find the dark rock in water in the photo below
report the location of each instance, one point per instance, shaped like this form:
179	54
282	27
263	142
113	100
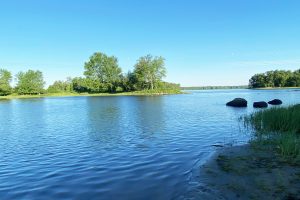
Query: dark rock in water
237	102
275	102
260	104
218	145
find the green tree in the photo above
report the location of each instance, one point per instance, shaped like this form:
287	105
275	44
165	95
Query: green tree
104	69
297	77
79	85
30	82
128	82
269	79
61	86
82	85
280	78
277	78
149	71
257	81
5	79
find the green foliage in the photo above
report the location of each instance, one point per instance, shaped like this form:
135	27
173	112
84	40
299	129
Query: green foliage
277	78
61	86
104	69
278	125
128	82
5	79
149	72
30	82
168	86
276	119
83	85
102	75
289	144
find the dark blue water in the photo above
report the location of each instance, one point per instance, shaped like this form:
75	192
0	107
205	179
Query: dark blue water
116	147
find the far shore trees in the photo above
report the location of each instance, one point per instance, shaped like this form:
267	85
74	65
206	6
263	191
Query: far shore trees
30	82
149	72
5	79
105	70
61	86
102	74
277	78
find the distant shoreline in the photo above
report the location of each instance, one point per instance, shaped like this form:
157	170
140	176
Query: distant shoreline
137	93
214	87
275	88
236	87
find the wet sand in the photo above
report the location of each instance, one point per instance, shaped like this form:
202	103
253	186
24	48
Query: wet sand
247	172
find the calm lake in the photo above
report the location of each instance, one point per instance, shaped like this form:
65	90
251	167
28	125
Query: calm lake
117	147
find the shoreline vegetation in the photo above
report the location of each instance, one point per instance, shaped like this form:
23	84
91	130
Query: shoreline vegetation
236	87
214	87
135	93
275	88
276	79
268	167
102	77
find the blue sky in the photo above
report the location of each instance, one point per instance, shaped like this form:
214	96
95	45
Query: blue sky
205	42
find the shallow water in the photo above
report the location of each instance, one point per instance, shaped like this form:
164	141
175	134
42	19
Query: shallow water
116	147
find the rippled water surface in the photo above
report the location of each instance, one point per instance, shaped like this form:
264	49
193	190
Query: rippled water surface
116	147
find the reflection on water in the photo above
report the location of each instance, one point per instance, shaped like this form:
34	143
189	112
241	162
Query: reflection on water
102	113
140	116
116	147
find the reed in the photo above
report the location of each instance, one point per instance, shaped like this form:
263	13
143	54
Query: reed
279	126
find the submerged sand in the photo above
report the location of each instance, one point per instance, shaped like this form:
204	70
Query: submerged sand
245	172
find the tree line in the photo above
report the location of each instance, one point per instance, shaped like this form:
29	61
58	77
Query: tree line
215	87
102	74
277	78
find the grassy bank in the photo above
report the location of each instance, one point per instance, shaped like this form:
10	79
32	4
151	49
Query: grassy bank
266	168
135	93
279	128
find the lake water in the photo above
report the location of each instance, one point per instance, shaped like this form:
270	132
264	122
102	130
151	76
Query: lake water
117	147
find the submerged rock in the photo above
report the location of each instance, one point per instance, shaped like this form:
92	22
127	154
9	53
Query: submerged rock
237	102
260	104
275	102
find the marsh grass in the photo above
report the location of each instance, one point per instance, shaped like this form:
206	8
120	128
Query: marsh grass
276	119
279	127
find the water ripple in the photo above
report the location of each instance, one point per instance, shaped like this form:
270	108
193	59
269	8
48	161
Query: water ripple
115	147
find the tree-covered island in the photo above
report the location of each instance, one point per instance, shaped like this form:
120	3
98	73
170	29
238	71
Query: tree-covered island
276	79
102	75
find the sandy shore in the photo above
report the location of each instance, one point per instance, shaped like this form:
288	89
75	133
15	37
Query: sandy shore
247	172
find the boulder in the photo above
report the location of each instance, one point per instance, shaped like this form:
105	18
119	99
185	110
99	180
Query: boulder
275	102
237	102
260	104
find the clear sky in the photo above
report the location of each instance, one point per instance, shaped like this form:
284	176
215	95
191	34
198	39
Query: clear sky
205	42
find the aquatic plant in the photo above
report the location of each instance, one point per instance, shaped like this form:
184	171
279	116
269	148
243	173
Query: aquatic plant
276	119
279	126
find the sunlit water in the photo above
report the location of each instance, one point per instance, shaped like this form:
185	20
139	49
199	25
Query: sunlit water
116	147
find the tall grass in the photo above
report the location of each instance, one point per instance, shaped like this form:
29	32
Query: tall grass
280	126
276	119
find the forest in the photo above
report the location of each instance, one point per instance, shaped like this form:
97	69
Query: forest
277	78
102	74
